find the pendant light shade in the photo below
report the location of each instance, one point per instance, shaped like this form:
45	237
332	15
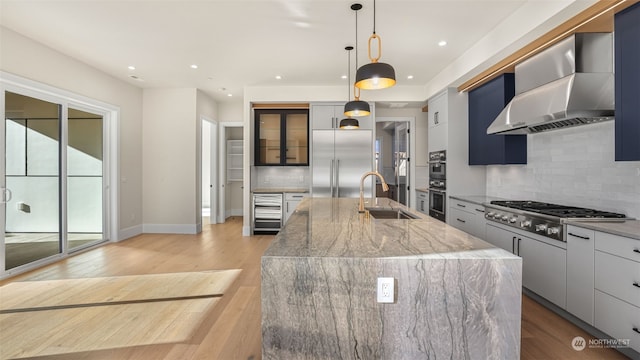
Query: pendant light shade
349	123
356	107
375	75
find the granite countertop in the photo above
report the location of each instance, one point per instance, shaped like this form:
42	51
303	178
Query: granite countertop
476	199
422	189
279	190
332	227
629	228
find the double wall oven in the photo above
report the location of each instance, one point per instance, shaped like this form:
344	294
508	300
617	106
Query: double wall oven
438	184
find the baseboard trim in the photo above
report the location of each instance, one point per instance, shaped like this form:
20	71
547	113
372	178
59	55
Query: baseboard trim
129	232
170	228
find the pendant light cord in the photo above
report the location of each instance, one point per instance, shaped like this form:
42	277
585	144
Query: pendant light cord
349	77
356	41
374	16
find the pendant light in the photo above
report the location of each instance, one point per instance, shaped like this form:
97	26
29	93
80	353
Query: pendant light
375	75
356	107
349	123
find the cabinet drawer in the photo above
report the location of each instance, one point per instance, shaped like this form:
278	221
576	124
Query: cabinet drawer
422	195
294	196
461	219
467	206
617	276
617	319
618	245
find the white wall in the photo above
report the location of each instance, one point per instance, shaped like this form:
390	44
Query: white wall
169	160
574	166
24	57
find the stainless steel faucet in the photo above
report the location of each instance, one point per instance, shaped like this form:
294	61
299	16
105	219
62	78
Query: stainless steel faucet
385	187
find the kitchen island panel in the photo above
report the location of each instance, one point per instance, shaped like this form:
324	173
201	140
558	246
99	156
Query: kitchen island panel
321	308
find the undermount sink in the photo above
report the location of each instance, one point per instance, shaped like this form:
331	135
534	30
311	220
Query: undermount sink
391	214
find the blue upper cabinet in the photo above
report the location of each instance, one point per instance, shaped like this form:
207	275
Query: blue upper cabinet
485	103
627	75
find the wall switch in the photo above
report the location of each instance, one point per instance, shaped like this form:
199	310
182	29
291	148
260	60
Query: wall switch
386	290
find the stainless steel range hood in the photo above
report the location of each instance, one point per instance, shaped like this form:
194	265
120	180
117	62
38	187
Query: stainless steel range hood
569	84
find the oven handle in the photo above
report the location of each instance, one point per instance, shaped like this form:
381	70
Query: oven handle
437	190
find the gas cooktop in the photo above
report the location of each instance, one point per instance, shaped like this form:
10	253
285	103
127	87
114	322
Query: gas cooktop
560	211
542	218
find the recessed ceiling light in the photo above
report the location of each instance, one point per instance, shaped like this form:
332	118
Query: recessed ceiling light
194	66
344	76
131	67
410	77
442	43
278	77
229	95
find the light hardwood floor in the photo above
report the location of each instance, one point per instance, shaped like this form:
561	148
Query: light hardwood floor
231	330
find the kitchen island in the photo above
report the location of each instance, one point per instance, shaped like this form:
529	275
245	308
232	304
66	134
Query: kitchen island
457	297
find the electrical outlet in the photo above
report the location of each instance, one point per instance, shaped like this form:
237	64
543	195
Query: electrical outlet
386	290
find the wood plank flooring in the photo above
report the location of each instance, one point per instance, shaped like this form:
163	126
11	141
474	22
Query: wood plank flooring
231	330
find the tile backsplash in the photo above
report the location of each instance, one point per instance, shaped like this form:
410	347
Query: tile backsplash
267	177
573	166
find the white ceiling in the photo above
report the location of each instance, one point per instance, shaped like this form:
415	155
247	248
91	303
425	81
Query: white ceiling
238	43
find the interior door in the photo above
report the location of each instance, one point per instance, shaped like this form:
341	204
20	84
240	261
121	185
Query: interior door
401	162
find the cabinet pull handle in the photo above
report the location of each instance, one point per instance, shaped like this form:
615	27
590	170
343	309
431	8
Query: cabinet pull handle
636	284
480	210
513	244
636	251
519	239
461	205
636	330
579	236
462	221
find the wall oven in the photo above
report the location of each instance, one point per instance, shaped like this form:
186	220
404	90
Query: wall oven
438	165
438	184
437	203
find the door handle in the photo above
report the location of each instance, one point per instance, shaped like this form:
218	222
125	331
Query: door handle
338	178
6	195
331	177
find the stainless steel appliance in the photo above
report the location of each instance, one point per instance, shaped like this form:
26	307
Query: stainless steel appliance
438	165
438	184
339	158
543	218
569	84
267	212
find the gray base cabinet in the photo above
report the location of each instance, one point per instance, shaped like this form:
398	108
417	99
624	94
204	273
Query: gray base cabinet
543	265
468	217
580	265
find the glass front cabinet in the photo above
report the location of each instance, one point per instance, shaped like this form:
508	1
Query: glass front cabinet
281	137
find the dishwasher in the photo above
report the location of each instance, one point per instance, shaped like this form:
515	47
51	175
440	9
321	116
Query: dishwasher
267	212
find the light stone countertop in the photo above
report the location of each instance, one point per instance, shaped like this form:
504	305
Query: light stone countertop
332	227
279	190
475	199
629	228
422	189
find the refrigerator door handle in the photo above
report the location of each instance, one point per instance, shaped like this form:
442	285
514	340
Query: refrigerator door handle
331	177
338	178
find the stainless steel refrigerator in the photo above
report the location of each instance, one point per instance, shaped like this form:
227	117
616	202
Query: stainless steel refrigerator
339	159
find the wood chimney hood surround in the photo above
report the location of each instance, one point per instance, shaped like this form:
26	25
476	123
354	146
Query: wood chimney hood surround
596	18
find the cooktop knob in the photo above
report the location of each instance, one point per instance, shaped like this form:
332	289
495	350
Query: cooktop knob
504	218
553	230
490	214
525	224
541	227
513	219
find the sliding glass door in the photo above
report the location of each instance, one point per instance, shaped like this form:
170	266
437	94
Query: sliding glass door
53	175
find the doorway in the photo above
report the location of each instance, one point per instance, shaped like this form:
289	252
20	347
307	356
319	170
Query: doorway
393	149
54	170
209	171
231	162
